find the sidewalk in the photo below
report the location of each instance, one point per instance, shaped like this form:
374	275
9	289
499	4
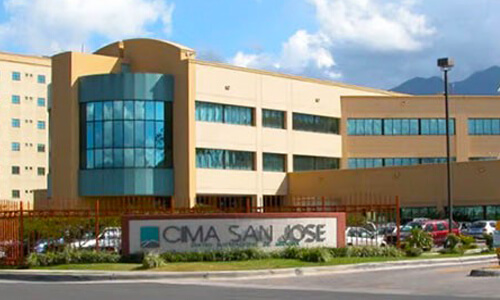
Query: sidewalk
69	275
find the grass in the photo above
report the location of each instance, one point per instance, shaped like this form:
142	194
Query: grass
239	265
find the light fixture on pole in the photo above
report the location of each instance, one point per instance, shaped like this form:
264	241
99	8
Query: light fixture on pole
446	64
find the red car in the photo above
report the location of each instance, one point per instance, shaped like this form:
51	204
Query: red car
437	228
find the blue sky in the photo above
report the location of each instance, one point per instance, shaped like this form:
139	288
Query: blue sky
378	43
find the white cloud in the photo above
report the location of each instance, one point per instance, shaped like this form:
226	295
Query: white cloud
303	52
374	25
55	25
383	25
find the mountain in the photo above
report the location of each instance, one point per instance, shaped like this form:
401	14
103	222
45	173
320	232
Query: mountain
486	82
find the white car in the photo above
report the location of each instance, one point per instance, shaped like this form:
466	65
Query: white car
359	236
109	239
478	228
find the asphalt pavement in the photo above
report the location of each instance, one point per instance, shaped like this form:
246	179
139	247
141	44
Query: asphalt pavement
424	283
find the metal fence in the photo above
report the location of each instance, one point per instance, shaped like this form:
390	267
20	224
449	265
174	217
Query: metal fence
25	231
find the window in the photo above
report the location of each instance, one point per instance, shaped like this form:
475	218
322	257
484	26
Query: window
16	99
273	118
224	159
399	126
126	134
16	76
484	126
40	125
441	226
310	163
40	171
41	148
41	102
41	79
364	126
220	113
362	163
314	123
16	123
485	158
16	194
16	170
16	146
273	162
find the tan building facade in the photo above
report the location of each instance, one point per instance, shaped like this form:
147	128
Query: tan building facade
24	82
235	132
145	120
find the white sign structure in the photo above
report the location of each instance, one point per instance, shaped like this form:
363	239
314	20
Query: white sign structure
205	234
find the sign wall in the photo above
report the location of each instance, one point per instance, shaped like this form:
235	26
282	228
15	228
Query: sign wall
189	233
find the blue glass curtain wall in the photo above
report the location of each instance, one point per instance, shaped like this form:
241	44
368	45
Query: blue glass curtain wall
273	118
221	113
274	162
224	159
364	163
484	126
399	126
311	163
312	123
126	134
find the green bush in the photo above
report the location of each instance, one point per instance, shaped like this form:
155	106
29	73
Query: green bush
71	257
419	239
152	260
316	255
135	258
218	255
489	241
452	241
414	252
373	251
468	241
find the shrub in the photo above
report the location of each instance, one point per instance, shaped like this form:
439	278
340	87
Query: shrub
419	239
468	241
316	255
152	260
71	257
414	252
291	253
452	241
489	241
373	251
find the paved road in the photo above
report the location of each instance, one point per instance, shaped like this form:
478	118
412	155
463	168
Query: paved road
430	283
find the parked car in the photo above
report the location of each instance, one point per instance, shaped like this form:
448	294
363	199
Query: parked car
464	227
359	236
44	245
109	239
438	229
478	228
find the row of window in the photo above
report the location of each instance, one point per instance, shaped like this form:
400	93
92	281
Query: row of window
16	123
460	213
16	170
16	99
126	134
399	126
16	146
16	76
362	163
489	126
231	114
484	126
16	194
272	162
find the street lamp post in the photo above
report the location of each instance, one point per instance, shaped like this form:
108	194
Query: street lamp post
446	64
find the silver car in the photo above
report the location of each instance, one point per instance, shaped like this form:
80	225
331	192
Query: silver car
479	228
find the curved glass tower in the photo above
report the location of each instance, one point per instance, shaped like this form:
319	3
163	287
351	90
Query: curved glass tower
126	135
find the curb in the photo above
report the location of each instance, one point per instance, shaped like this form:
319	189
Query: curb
73	276
485	273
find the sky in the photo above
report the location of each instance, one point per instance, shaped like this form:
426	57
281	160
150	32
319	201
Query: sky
375	43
